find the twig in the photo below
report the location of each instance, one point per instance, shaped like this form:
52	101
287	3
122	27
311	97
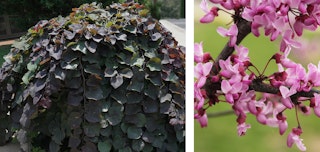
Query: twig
219	114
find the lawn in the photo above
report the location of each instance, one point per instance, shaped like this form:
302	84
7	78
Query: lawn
221	134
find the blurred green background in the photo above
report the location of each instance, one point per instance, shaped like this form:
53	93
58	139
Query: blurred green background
221	133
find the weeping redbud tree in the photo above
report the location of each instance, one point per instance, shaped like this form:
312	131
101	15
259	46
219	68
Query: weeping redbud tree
233	79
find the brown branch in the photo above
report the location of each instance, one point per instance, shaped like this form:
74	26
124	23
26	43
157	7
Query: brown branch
219	114
244	28
267	88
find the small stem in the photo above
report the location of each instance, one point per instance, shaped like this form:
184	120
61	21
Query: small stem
256	69
264	70
296	110
252	72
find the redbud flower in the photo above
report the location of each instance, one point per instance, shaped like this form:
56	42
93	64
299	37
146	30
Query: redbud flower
316	104
201	72
202	118
198	52
232	33
210	14
242	128
294	138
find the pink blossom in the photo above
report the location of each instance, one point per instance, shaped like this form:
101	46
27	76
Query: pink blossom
202	118
242	54
231	91
294	138
228	70
316	104
286	93
201	72
198	52
199	56
199	98
287	41
210	14
232	33
313	74
242	128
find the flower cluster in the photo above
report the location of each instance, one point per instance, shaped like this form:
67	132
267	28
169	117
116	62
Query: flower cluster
291	87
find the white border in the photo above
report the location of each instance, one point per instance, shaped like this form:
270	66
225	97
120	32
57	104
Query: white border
189	75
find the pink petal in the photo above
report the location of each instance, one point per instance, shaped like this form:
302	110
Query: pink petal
222	31
298	27
201	81
283	125
225	86
262	119
203	120
229	98
290	140
207	68
207	18
198	52
242	128
204	6
285	92
317	111
287	102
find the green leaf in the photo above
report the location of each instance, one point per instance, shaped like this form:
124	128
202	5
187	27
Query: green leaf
93	17
150	106
80	47
154	78
135	85
134	132
127	73
134	97
95	93
155	36
126	149
137	145
138	119
27	77
119	95
69	66
74	142
93	69
154	64
116	81
130	28
118	141
54	147
91	130
104	146
131	109
92	111
151	91
21	44
115	114
74	120
92	46
137	60
32	66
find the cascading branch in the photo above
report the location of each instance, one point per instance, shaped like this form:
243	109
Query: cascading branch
233	77
101	79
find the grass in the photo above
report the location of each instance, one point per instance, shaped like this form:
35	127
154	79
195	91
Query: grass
3	51
221	134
